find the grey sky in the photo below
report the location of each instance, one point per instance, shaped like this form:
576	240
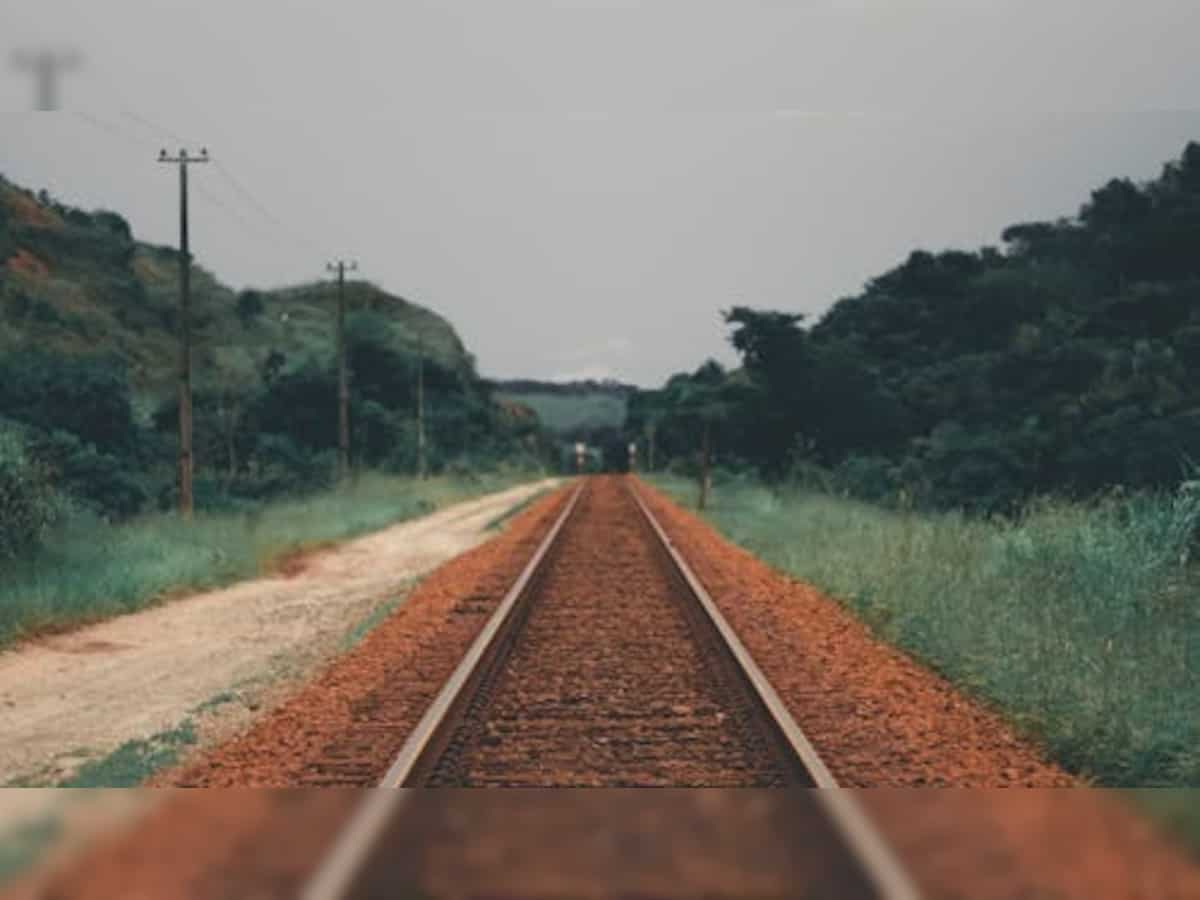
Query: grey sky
581	186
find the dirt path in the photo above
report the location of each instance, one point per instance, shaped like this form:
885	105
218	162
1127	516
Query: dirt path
213	656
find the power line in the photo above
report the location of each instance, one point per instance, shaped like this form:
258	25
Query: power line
251	199
107	127
115	131
223	170
154	126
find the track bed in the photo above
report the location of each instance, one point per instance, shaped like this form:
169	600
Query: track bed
611	677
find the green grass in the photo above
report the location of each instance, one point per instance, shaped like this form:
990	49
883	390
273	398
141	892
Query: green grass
497	523
134	761
20	848
355	635
93	571
1079	622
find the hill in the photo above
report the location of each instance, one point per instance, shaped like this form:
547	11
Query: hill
74	282
88	361
571	408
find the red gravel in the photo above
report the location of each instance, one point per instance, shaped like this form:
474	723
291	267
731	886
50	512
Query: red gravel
615	678
877	718
345	727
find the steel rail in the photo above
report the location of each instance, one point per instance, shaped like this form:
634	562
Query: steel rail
340	867
854	826
337	871
435	716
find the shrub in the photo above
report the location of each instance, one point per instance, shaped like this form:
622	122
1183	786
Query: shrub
281	466
89	396
28	505
867	477
249	307
104	482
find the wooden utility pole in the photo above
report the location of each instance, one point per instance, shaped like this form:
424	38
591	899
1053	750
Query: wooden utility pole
186	462
705	456
343	460
420	405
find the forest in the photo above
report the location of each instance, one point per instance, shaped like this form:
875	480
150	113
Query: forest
1064	362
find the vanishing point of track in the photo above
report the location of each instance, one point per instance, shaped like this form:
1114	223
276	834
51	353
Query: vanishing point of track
608	664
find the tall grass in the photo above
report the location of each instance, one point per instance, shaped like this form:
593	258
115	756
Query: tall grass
1080	622
91	570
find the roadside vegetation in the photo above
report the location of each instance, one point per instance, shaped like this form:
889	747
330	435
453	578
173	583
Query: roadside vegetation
88	419
1078	621
89	570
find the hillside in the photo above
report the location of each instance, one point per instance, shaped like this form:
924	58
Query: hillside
88	361
571	408
74	282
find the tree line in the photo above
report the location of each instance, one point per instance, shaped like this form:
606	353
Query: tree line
1064	362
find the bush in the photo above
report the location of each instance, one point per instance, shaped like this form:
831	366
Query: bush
88	396
28	505
249	307
104	482
281	466
868	478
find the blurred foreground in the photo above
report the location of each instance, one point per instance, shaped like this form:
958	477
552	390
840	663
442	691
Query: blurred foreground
975	844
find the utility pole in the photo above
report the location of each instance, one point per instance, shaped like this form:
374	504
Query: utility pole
343	463
420	405
45	66
705	457
186	463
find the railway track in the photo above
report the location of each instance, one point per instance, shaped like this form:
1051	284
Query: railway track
607	664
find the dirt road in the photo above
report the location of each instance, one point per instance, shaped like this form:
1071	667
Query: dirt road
215	656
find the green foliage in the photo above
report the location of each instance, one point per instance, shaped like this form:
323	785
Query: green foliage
99	392
28	505
20	848
1076	620
249	307
1066	364
107	483
88	396
135	761
92	570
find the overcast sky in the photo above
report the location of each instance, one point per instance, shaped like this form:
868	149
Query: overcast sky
580	187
